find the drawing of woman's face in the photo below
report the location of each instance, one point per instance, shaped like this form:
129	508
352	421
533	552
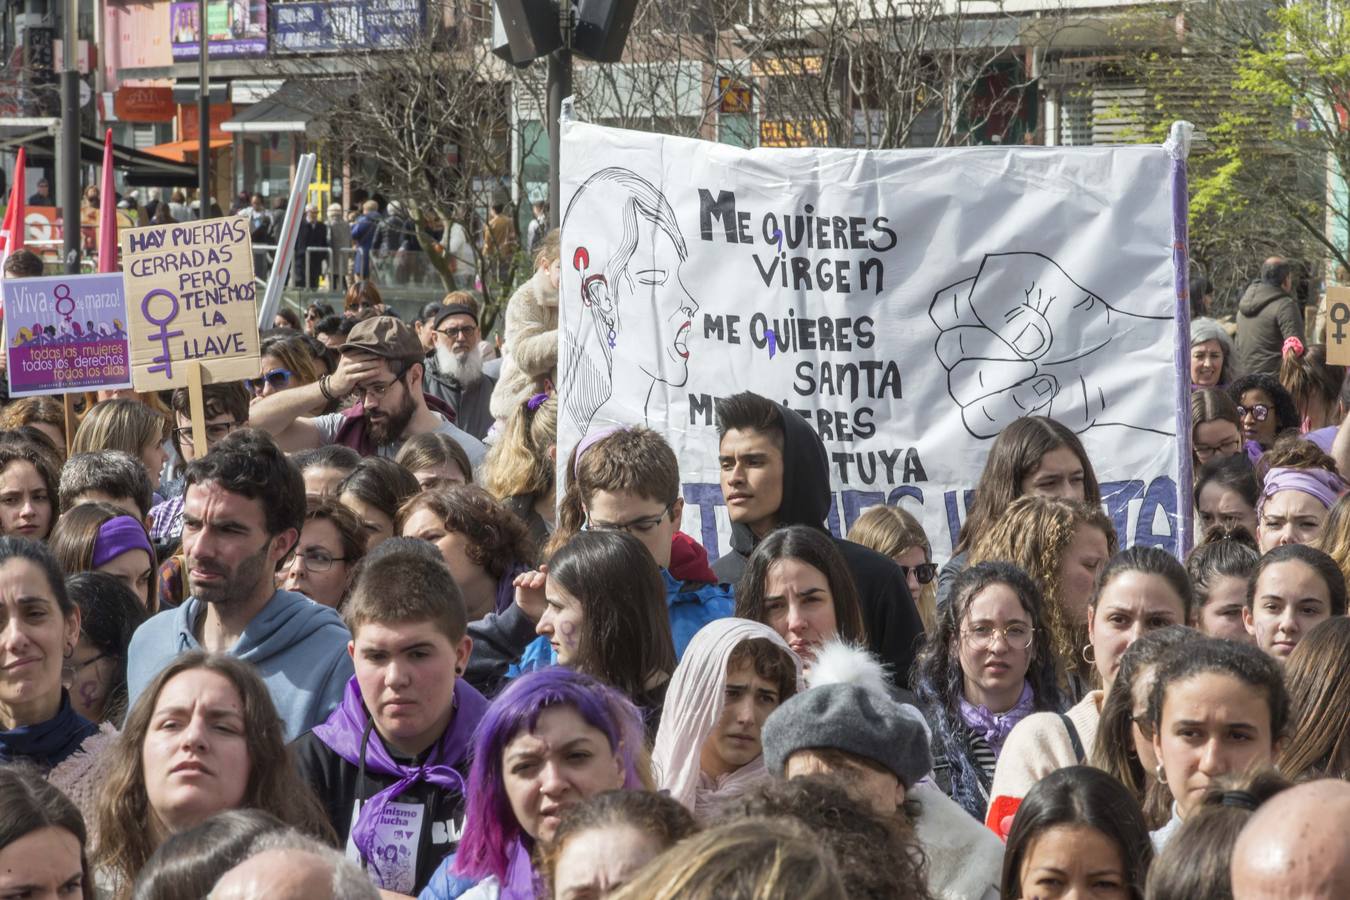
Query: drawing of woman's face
656	310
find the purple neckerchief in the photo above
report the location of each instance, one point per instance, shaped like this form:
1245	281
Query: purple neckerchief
506	588
994	727
1319	484
521	882
346	728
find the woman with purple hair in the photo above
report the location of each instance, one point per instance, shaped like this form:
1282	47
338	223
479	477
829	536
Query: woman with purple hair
549	741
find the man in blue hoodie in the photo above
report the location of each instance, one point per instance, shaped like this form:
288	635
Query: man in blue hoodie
242	512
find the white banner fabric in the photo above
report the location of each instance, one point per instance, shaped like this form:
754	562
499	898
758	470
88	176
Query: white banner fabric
909	303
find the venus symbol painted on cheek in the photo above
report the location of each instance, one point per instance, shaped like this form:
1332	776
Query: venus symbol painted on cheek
568	632
88	693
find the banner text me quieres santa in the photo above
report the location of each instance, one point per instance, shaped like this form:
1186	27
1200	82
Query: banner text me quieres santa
853	377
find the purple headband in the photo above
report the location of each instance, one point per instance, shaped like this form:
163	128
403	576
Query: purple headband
117	536
1325	486
590	441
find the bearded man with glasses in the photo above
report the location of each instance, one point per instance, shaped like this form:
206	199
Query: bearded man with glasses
455	370
381	369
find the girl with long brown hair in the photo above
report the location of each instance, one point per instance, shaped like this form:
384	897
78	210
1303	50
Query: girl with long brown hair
204	737
1318	678
1033	455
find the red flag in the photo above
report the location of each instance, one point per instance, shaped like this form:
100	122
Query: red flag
107	212
11	232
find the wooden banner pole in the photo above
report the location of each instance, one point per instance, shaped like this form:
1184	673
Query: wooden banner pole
197	407
69	404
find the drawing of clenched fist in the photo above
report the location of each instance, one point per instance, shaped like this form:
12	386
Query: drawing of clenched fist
1022	337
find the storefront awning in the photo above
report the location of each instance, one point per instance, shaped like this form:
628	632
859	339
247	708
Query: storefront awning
179	151
142	169
290	109
294	106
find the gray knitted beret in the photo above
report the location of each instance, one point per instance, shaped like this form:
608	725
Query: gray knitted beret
854	719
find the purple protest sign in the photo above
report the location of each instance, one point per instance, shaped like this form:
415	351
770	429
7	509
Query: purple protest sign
66	334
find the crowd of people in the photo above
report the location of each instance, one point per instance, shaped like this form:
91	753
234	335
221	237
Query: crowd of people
355	641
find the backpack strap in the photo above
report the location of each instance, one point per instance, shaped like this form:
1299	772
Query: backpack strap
1078	753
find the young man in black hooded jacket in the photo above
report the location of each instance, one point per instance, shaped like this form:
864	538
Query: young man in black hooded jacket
774	473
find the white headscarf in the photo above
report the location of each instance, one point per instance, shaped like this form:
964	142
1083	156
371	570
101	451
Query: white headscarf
693	706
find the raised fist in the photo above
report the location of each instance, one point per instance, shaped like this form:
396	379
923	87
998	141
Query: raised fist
1022	337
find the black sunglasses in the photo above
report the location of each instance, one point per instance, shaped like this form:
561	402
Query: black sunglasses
923	572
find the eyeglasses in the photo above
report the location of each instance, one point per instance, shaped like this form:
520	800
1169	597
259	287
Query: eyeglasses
76	667
1259	411
214	432
317	560
1205	451
277	379
923	572
634	527
461	331
981	637
377	391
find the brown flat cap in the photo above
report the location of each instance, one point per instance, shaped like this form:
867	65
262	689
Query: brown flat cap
387	337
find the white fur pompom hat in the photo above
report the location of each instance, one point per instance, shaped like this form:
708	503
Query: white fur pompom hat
848	706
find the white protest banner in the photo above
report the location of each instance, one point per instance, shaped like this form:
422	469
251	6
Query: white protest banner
66	333
190	298
909	304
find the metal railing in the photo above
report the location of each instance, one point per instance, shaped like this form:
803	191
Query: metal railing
332	271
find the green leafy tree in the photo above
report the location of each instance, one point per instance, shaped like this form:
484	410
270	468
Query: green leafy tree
1266	84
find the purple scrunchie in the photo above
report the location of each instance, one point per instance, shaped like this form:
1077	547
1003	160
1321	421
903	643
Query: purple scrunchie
117	536
1319	483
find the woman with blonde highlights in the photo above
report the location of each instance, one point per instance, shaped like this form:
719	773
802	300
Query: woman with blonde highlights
1335	538
520	466
129	426
893	532
287	362
1063	545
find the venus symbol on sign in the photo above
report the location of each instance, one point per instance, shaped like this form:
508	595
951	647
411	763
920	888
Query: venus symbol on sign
164	360
1340	315
65	304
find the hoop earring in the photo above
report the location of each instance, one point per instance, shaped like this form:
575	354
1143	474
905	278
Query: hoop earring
1089	654
1160	773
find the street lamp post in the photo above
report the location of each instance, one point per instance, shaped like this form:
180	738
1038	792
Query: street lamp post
70	141
203	118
